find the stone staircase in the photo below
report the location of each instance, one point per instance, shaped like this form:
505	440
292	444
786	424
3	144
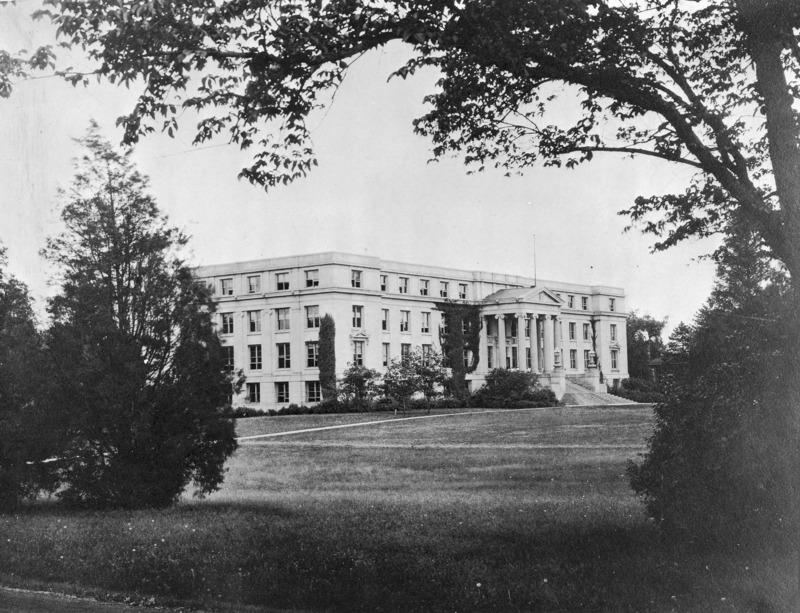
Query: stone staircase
577	395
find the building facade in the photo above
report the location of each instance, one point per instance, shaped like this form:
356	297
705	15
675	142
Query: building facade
269	312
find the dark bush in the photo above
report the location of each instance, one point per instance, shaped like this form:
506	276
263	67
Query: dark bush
243	412
512	389
639	390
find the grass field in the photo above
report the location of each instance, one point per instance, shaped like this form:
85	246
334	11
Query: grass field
495	511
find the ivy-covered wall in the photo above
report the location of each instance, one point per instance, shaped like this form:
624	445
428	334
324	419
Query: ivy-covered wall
462	333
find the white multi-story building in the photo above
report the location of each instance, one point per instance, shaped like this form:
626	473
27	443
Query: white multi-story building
269	312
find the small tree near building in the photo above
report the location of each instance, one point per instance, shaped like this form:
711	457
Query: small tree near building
327	357
359	383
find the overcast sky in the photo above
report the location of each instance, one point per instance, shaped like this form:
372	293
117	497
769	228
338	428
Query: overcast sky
374	192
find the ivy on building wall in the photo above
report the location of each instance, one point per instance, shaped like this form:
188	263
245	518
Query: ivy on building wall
594	322
462	333
327	357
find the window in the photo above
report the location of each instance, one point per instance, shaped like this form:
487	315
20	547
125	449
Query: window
384	319
254	321
513	362
527	327
312	316
384	282
426	354
255	357
253	392
464	326
358	311
403	287
227	357
444	324
490	357
312	278
613	332
572	330
227	323
227	287
462	291
284	355
404	316
283	318
282	391
570	301
528	364
405	352
355	278
426	323
586	364
358	353
282	280
489	327
466	355
424	285
313	391
573	359
253	284
443	285
612	304
584	303
614	365
586	332
386	354
312	354
512	327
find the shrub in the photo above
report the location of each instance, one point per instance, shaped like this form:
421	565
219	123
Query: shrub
639	390
512	389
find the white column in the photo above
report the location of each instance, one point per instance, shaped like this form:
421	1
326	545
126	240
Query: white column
547	332
521	318
483	362
533	345
501	341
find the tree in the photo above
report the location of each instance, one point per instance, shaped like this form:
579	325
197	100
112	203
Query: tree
327	357
644	343
417	373
359	382
460	335
710	86
135	366
28	435
721	463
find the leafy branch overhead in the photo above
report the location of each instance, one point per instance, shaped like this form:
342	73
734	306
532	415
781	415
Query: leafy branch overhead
710	86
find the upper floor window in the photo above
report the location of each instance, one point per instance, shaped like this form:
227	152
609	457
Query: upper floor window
424	286
443	287
613	332
444	324
614	361
570	301
312	278
282	281
226	287
255	357
586	330
403	286
426	354
426	323
227	357
462	291
405	352
253	284
355	278
404	317
465	327
572	327
386	354
384	319
284	355
358	313
227	323
254	321
283	318
312	316
612	304
312	354
384	282
584	303
573	359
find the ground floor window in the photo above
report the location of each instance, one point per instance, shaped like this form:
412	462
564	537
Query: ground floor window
573	359
282	391
313	391
490	357
528	364
253	392
614	365
586	360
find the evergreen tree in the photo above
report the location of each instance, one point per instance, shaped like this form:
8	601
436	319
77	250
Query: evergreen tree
327	357
136	367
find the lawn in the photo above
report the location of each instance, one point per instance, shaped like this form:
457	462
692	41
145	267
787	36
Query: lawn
493	511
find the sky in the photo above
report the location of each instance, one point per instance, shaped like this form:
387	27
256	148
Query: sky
375	192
